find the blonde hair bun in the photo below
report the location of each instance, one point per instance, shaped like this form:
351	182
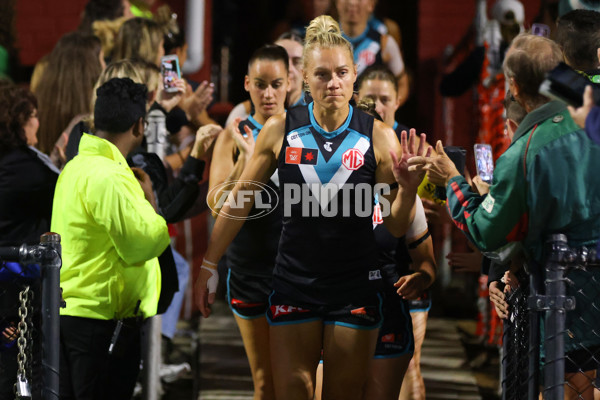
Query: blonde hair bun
321	25
324	32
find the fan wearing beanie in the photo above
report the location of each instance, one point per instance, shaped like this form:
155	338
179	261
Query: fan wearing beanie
111	238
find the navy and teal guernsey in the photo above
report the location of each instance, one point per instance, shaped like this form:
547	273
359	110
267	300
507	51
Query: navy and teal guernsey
367	48
325	260
254	249
398	128
303	100
377	24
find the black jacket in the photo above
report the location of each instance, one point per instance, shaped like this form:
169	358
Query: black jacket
27	183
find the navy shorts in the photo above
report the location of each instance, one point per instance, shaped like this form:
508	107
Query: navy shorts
248	295
364	315
423	303
396	334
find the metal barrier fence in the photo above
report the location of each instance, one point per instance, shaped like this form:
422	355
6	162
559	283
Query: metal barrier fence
552	336
29	319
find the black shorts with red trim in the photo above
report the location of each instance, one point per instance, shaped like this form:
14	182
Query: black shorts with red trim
396	334
286	311
248	295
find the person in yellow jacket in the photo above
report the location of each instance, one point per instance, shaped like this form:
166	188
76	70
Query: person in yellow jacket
111	237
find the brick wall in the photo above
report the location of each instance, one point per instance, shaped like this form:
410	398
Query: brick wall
40	23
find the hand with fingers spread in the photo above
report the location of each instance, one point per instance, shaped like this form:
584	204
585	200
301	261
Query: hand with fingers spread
440	169
244	142
409	178
410	287
167	100
205	137
206	287
196	102
580	114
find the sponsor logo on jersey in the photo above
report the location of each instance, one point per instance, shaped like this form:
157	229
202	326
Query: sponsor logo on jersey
286	310
389	338
366	57
377	217
363	313
359	311
298	155
353	159
327	146
374	275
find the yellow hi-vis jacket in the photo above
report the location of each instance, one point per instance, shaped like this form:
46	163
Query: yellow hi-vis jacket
110	233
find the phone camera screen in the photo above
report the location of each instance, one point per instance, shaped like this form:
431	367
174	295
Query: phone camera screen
169	71
485	163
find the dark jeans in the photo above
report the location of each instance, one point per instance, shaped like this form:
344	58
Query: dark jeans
8	373
87	371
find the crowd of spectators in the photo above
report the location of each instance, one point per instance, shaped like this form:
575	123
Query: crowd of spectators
98	150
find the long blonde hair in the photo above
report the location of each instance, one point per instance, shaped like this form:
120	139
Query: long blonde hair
106	30
324	32
117	69
138	38
65	87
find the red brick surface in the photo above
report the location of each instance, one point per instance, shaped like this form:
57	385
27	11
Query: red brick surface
40	23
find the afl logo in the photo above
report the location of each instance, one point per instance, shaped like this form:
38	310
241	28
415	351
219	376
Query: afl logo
262	196
353	159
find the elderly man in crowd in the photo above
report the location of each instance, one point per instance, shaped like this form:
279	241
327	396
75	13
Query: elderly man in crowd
546	182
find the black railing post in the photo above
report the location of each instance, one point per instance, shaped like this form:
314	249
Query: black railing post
556	305
50	269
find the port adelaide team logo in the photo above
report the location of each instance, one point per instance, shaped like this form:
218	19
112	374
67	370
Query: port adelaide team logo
299	155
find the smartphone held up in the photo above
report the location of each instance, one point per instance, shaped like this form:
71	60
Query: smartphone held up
567	85
169	67
484	162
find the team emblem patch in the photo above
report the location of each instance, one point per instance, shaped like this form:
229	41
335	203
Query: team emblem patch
298	155
374	275
353	159
488	204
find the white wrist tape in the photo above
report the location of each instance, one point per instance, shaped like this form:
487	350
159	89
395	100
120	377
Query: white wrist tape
213	281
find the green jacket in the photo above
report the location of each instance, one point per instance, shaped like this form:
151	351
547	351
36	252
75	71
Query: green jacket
111	236
546	182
